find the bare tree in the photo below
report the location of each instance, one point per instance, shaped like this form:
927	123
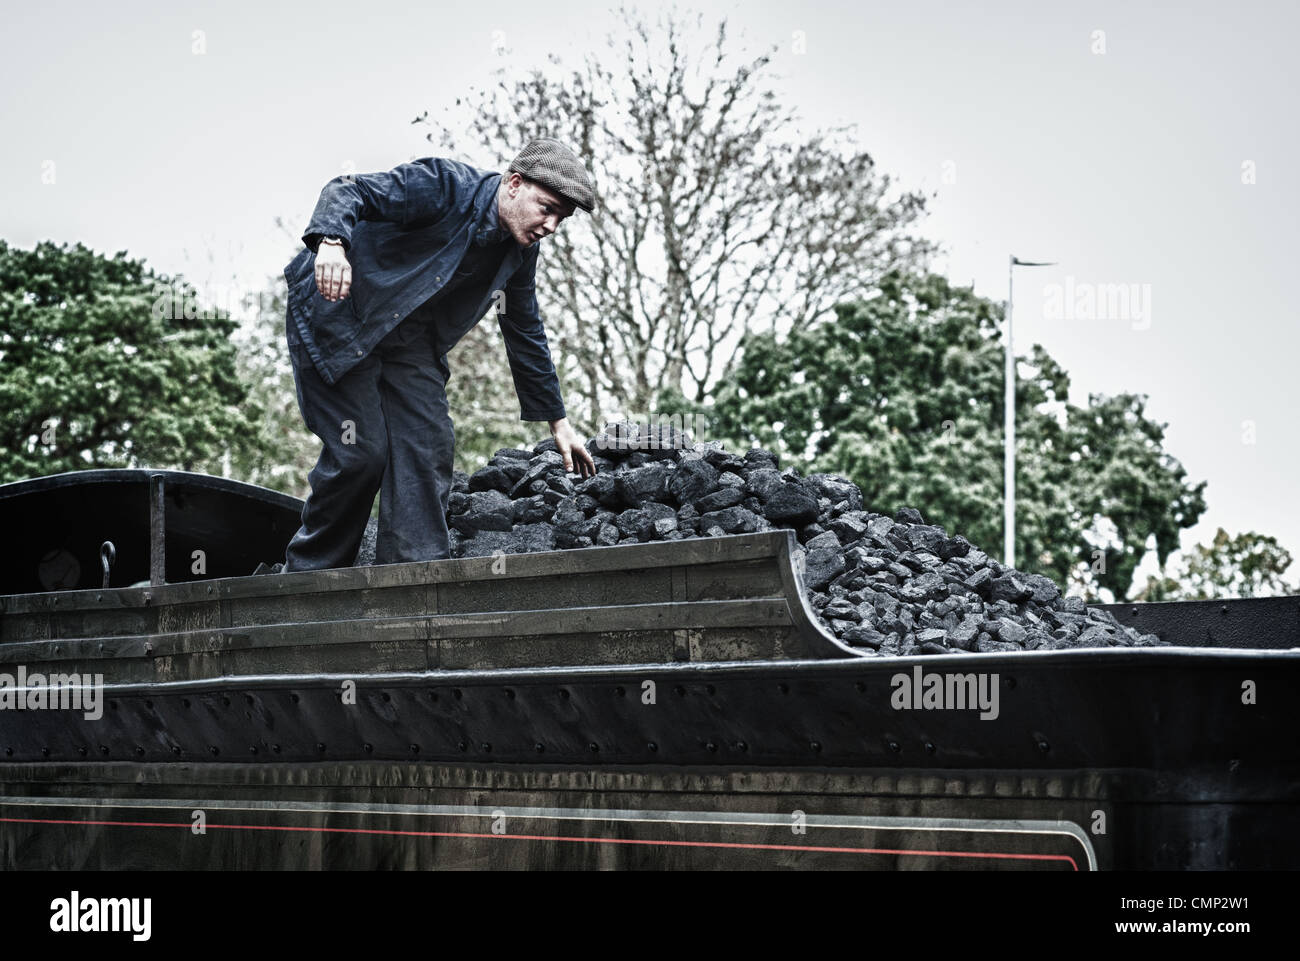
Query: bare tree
711	220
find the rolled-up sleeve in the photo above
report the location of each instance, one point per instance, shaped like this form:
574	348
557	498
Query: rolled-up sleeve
536	382
410	193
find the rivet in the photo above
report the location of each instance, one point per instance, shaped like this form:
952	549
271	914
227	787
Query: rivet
82	750
148	705
9	752
1043	746
209	588
895	746
462	745
45	752
103	749
564	694
679	691
510	694
711	747
320	748
859	686
176	750
619	691
783	688
387	696
252	749
710	689
929	747
652	746
275	749
1135	612
212	749
294	698
367	747
1223	609
433	695
742	746
594	747
486	747
539	747
225	701
456	693
816	746
248	698
185	702
99	597
1011	683
415	749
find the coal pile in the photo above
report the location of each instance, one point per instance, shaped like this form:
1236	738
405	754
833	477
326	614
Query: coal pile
892	585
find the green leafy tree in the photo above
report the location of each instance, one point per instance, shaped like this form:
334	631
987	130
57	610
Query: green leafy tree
1248	565
105	364
903	393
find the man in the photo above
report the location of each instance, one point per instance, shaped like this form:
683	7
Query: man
397	267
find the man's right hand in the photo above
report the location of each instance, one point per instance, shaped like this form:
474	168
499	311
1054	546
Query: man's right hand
333	272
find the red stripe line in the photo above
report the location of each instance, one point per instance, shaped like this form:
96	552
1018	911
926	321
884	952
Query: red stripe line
547	837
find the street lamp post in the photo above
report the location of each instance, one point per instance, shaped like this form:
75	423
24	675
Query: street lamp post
1009	403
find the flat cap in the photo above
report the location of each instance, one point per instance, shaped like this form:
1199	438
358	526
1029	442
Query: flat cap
551	163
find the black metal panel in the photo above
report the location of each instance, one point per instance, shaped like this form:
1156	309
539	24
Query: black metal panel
1154	758
421	816
1189	754
1259	623
709	599
56	524
1179	712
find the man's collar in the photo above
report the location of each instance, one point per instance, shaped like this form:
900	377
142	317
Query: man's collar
488	229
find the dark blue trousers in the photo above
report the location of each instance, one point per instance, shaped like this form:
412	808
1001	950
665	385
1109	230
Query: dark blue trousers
384	426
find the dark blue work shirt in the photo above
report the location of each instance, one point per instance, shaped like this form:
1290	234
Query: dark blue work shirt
479	265
423	236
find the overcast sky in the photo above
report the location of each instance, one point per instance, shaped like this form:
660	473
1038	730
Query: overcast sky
1117	138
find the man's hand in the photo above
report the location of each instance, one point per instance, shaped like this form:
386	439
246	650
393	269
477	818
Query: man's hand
572	449
333	272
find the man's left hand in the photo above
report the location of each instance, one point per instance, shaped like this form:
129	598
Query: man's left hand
577	459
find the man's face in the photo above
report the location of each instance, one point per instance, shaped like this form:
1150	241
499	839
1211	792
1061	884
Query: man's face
529	210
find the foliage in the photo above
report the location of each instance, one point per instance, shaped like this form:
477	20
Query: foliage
105	364
903	393
1248	565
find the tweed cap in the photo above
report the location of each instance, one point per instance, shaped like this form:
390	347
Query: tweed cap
551	163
